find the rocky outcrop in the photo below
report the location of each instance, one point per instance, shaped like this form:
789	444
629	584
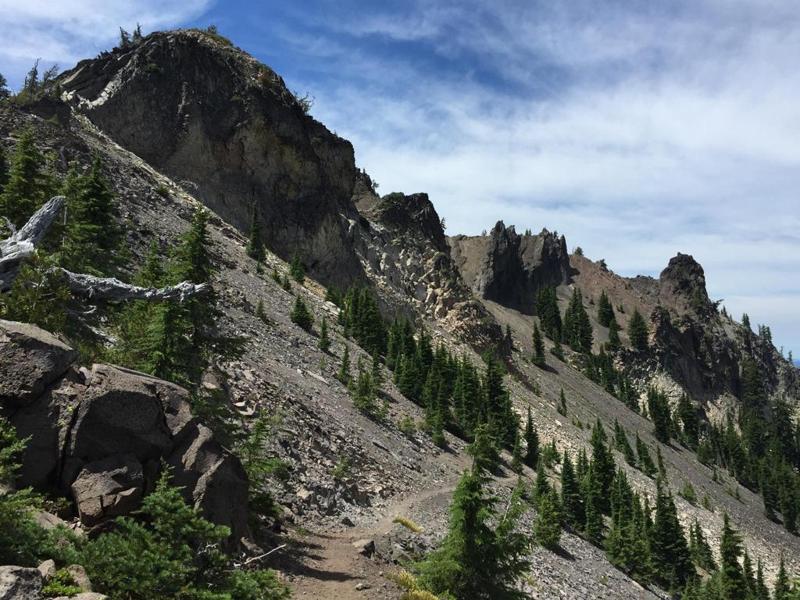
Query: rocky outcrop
412	213
100	434
509	268
212	117
19	583
682	284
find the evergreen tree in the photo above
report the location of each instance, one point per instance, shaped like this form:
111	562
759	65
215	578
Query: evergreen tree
614	343
499	415
670	550
699	548
516	455
547	527
344	370
603	465
541	486
571	500
637	332
4	94
782	589
762	592
475	561
91	235
324	339
562	403
732	580
577	328
658	407
531	443
297	270
538	347
485	456
593	507
3	162
622	445
548	312
27	186
300	315
688	416
605	312
255	242
644	460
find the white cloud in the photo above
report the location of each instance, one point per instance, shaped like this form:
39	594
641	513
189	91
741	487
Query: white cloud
66	31
657	133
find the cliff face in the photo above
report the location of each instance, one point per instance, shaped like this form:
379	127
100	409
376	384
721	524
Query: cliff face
229	130
509	268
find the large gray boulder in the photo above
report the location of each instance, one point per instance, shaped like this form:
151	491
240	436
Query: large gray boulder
19	583
100	434
108	488
30	360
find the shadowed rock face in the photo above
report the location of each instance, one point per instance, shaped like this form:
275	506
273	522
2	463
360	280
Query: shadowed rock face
212	117
509	268
683	285
100	435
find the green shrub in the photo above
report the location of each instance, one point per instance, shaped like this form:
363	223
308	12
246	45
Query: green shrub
61	584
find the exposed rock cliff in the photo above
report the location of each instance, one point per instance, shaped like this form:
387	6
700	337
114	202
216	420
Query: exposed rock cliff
223	124
509	268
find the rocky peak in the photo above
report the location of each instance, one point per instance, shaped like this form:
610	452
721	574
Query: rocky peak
509	268
226	127
683	283
412	213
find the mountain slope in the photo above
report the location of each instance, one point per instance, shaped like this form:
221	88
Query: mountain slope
183	120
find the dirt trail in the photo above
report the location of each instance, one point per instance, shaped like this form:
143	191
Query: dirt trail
331	566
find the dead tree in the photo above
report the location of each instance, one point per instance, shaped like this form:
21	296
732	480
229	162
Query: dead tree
21	246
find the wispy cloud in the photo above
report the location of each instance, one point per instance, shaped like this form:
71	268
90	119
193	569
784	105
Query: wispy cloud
638	129
66	31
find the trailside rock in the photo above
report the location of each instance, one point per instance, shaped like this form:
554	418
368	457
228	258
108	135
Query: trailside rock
19	583
30	360
107	488
118	413
211	479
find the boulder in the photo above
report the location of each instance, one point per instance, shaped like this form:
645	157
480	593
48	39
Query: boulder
30	360
119	413
79	576
212	480
19	583
47	569
364	547
108	488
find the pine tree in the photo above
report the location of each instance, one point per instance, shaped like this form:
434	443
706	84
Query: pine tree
260	313
571	500
27	186
474	560
688	416
516	455
605	312
531	443
670	550
637	332
602	465
344	371
699	548
541	486
324	339
732	578
562	404
614	343
593	507
538	347
300	315
762	592
622	445
658	407
4	94
3	159
782	589
297	270
644	460
485	456
577	328
547	527
91	238
255	242
548	312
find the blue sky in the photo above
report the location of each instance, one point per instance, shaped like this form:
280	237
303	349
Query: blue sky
638	129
